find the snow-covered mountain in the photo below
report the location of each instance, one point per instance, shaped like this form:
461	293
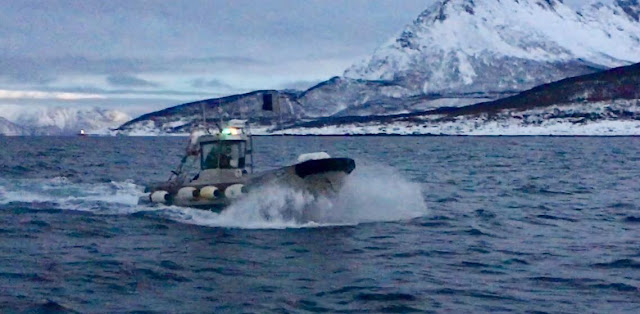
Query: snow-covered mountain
60	120
456	53
9	128
462	46
461	52
605	118
181	118
604	103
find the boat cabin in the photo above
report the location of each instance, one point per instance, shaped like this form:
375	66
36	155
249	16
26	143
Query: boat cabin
227	149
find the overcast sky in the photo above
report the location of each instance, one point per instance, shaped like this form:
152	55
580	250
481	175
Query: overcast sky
144	55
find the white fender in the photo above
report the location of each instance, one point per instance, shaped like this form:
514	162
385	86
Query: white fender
159	196
187	193
313	156
209	192
234	191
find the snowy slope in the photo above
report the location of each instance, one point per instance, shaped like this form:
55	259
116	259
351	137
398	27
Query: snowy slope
611	118
62	120
9	128
180	119
604	103
339	95
456	53
504	45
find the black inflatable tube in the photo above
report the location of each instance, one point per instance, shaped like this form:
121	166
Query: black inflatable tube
311	167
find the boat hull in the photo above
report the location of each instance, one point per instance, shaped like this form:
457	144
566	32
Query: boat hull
318	177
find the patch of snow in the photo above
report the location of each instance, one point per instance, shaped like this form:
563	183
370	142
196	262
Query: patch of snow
43	120
490	45
592	119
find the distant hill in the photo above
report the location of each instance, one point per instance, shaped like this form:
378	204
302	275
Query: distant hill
9	128
62	121
462	46
182	118
604	103
455	53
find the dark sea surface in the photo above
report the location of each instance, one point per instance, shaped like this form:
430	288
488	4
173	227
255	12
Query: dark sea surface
425	224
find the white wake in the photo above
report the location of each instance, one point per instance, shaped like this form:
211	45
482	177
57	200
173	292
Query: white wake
371	193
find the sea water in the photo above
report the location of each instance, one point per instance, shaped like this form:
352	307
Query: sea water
441	224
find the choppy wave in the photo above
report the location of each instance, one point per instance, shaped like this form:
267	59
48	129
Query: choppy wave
112	198
372	193
492	239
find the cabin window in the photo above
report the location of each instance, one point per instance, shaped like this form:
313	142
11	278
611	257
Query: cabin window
223	155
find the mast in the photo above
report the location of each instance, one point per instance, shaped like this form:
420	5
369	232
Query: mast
204	117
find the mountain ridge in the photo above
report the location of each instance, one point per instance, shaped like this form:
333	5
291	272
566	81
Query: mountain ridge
605	96
62	121
9	128
455	45
455	53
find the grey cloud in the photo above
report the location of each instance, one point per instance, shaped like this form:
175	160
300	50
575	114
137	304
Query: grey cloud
19	70
300	85
133	106
43	70
26	77
116	92
128	80
200	37
274	30
215	83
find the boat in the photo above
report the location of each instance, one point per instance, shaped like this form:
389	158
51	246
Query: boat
217	170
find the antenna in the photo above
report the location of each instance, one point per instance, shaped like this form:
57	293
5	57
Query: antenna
204	117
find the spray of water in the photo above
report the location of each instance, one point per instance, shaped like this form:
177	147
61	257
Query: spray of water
371	193
109	198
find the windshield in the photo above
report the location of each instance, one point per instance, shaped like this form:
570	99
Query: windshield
223	155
